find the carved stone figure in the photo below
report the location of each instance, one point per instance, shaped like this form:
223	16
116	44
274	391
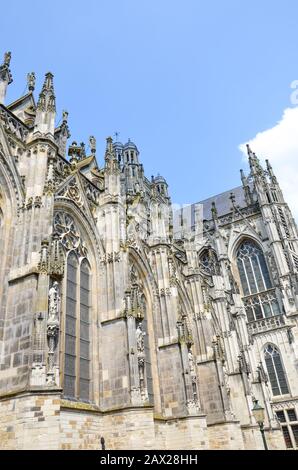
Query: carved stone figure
54	301
7	58
52	331
64	115
31	81
262	375
140	338
92	143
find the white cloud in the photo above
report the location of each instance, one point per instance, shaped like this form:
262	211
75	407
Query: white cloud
280	145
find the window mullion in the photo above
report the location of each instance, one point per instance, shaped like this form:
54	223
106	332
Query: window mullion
276	375
78	332
253	273
263	279
246	276
292	436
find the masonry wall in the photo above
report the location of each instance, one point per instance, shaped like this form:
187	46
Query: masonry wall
225	436
30	422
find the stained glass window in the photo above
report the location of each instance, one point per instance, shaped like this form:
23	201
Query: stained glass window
276	371
84	330
259	295
77	329
70	326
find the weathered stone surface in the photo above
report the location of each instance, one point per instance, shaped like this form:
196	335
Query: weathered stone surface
122	319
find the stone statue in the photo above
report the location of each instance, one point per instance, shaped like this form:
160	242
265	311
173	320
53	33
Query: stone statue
140	338
92	143
64	115
191	364
54	301
52	331
31	81
262	376
7	57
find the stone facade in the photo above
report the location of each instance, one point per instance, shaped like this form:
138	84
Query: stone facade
123	319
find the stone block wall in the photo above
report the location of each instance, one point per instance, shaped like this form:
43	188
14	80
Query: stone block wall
30	422
225	436
186	433
45	421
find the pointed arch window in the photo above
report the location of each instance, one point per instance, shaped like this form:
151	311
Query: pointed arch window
259	295
276	371
209	263
77	329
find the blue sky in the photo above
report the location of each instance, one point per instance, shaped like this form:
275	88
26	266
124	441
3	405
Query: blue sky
187	81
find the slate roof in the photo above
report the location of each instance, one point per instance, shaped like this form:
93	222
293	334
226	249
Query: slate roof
223	203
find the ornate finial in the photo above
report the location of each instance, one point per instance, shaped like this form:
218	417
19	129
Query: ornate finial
116	134
109	144
64	116
250	152
49	80
46	101
31	81
271	173
92	144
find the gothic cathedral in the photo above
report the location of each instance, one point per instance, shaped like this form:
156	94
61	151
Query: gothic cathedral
125	322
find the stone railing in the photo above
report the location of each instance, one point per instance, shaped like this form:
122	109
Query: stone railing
13	125
266	324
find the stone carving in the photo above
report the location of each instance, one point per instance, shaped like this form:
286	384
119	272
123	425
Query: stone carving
73	192
69	234
92	143
54	299
136	306
244	366
226	379
141	360
44	257
192	404
262	375
31	81
289	292
13	126
209	263
140	338
184	333
64	115
218	348
233	284
53	330
7	58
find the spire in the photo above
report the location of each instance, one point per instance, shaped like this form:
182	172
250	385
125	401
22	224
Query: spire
46	101
254	163
111	161
46	107
109	148
5	76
